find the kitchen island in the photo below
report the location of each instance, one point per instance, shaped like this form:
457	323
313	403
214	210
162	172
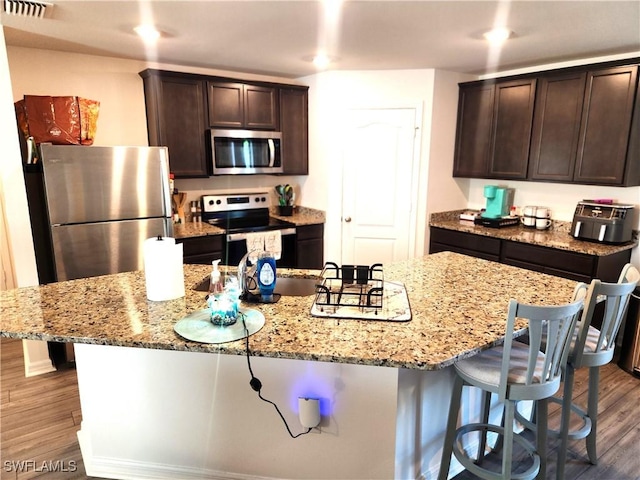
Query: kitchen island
155	404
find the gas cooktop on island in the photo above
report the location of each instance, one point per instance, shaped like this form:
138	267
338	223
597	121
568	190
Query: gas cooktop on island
360	292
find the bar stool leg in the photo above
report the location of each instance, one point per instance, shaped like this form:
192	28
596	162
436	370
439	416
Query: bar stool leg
507	445
567	399
497	447
452	422
592	411
482	444
542	409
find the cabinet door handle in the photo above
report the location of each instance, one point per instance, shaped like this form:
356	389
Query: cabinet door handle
347	219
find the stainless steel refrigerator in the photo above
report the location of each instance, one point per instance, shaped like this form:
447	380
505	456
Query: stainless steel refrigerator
92	208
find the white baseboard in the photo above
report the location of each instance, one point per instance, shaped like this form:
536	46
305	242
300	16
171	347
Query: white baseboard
131	470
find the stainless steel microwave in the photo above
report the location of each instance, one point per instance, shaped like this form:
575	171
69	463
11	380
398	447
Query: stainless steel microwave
244	152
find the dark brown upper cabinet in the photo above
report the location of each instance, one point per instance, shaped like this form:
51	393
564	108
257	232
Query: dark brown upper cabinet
556	127
176	119
473	136
512	119
240	105
294	126
182	107
494	129
605	126
584	129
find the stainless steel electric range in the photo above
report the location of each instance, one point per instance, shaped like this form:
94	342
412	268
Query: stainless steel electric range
239	214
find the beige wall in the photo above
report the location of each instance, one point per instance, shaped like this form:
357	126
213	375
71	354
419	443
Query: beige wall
117	85
16	244
112	81
122	121
562	198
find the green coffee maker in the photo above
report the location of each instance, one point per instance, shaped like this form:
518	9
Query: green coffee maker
499	201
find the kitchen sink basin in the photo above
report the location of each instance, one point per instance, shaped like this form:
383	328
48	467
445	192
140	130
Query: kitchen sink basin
296	287
285	286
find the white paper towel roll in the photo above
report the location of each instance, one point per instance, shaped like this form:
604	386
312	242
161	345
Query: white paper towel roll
163	271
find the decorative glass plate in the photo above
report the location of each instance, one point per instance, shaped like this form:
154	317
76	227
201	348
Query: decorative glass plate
197	326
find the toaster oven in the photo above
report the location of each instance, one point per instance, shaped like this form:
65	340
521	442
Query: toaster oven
606	223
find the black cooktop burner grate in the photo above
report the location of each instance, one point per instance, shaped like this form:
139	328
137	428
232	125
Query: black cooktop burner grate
251	220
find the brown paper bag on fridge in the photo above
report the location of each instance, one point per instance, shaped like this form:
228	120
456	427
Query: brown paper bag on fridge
58	120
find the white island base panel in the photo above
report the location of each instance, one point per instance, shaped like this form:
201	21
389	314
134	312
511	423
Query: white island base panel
165	414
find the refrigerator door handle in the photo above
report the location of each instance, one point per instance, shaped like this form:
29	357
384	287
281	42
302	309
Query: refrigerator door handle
164	168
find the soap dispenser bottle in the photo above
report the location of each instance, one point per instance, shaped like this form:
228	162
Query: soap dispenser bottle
215	283
266	276
215	299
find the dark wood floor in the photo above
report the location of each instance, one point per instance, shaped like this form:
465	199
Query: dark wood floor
618	431
39	418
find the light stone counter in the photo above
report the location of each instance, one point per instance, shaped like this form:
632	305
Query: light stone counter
301	216
190	404
195	229
557	236
458	306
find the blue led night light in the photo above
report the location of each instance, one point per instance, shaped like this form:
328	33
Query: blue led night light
312	386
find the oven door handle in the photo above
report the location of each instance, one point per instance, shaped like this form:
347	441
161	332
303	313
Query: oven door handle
237	237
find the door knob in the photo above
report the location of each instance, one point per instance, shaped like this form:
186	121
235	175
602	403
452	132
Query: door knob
347	219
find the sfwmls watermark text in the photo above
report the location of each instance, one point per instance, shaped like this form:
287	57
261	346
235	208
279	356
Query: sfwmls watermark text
45	466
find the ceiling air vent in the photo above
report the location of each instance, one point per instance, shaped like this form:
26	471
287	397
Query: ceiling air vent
26	8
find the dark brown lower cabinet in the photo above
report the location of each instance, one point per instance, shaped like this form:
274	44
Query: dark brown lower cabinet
310	246
562	263
573	265
202	250
443	240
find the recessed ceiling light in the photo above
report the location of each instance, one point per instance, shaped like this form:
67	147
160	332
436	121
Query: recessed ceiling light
321	61
148	33
497	35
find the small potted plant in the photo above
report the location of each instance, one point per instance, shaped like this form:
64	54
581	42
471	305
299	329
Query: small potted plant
285	199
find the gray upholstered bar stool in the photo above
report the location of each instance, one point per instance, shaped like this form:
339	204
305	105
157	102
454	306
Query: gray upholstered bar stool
592	348
514	372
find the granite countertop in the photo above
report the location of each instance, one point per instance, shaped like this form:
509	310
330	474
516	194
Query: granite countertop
458	306
195	229
557	236
301	216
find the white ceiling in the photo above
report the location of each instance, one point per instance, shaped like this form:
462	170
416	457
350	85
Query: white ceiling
279	37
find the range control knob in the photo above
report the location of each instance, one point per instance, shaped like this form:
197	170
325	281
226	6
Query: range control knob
257	199
211	202
264	199
218	202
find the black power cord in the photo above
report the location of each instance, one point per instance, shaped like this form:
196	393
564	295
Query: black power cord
256	384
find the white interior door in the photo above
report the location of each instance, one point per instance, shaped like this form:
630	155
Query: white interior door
378	185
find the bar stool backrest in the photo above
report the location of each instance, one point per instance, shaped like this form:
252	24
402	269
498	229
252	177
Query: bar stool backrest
550	331
593	346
